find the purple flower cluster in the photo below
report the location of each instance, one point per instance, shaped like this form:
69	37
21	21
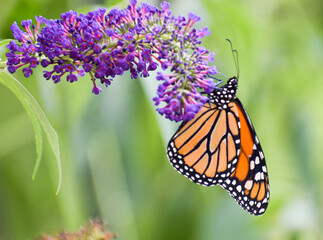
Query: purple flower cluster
137	39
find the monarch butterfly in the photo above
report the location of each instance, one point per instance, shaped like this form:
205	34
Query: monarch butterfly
220	146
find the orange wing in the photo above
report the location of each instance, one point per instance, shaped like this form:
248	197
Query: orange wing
205	149
249	184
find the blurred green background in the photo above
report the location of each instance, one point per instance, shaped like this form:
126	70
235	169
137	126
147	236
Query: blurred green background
113	145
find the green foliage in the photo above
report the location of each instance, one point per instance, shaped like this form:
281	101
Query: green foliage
4	42
38	119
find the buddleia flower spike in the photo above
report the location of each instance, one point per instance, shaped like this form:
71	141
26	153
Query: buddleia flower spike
103	45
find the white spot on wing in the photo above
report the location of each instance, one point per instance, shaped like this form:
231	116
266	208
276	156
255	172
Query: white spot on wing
257	177
252	165
248	184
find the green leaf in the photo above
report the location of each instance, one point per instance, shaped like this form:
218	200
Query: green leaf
5	42
38	119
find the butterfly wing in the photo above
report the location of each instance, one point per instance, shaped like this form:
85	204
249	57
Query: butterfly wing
205	149
249	184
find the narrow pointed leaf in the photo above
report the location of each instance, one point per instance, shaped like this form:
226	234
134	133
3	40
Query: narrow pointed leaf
38	118
5	42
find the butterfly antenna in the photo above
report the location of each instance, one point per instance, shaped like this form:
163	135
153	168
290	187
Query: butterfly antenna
220	73
235	58
218	79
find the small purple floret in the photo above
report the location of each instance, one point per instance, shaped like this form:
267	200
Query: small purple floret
96	90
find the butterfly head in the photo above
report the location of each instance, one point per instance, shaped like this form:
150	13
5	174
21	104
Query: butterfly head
233	82
223	95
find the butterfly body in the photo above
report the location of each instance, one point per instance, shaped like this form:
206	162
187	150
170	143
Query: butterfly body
224	95
220	146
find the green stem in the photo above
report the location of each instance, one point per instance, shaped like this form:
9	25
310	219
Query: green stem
3	65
